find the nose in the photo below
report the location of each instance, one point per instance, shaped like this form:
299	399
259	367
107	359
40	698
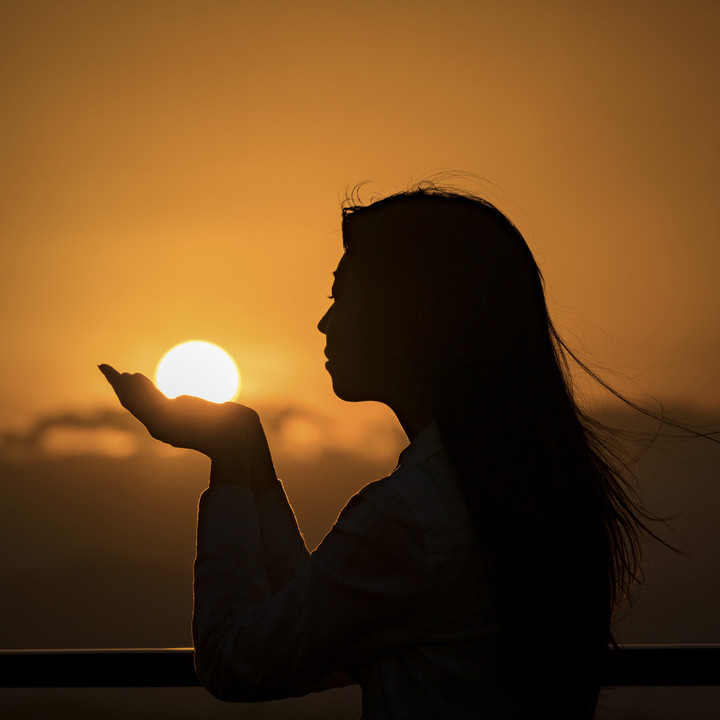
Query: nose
322	325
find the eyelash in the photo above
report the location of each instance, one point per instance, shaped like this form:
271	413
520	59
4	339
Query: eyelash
331	297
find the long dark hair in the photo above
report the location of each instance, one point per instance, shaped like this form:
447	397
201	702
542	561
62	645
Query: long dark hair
558	521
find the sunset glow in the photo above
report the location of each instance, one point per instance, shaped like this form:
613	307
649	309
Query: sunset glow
177	172
198	368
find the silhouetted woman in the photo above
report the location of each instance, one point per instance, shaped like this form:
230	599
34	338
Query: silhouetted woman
480	579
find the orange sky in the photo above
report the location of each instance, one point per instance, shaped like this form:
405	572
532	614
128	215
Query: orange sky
172	170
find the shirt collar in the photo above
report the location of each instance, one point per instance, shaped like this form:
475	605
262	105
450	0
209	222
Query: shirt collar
425	445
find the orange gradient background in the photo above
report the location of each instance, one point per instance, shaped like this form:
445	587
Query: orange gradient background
174	171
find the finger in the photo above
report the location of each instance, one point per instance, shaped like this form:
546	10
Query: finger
110	373
135	391
115	379
138	392
121	383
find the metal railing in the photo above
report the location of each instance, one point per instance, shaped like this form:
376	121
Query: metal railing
637	665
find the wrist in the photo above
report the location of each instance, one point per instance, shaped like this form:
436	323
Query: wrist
233	471
227	471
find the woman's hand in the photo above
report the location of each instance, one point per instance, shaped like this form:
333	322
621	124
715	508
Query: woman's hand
230	434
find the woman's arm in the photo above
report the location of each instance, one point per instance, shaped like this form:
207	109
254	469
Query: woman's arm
359	596
269	623
230	434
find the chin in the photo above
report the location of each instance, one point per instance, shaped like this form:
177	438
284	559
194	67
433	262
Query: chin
350	391
348	394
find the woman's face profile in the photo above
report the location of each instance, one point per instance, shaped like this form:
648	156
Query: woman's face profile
357	340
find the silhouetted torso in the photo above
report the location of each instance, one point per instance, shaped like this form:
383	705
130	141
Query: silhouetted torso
393	596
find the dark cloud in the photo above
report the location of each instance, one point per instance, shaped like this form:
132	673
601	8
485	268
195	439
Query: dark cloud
33	436
293	430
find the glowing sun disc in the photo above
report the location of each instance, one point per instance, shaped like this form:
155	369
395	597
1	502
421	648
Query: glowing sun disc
198	368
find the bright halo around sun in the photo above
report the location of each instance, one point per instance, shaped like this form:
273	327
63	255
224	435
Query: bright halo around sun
198	368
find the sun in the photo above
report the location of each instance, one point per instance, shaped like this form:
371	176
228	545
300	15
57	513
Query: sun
198	368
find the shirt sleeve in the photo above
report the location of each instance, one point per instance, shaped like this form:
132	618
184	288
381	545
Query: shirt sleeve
359	595
282	547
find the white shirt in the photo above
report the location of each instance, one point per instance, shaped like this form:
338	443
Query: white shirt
394	596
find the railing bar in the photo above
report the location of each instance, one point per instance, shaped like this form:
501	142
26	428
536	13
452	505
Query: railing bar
631	665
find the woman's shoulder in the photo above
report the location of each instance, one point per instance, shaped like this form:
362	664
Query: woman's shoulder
425	495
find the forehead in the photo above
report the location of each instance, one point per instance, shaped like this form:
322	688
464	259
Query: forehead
342	271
